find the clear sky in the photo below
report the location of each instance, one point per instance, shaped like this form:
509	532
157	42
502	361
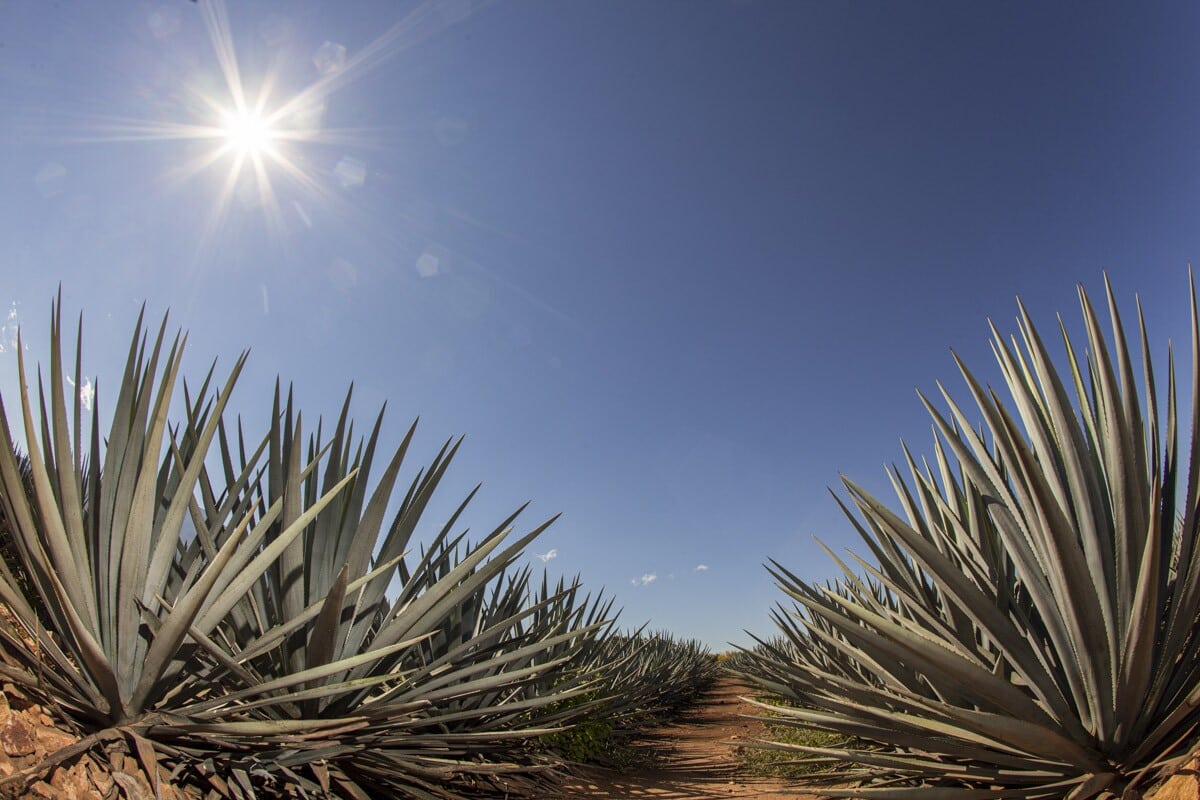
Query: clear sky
670	266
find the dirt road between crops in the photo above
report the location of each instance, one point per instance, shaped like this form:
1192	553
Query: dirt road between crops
695	760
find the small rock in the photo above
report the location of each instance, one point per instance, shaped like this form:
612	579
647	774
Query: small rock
1177	787
17	737
52	739
1181	786
71	783
43	789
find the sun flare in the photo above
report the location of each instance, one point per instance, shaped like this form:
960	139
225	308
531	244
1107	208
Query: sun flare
260	137
249	133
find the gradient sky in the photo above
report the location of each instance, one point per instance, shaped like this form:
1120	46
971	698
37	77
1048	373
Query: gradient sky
670	266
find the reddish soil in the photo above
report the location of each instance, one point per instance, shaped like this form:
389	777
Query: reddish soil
696	759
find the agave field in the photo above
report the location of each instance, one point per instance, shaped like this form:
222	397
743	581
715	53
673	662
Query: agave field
258	614
245	613
1026	623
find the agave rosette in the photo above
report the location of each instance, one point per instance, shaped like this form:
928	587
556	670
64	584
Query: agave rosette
422	669
1028	625
102	618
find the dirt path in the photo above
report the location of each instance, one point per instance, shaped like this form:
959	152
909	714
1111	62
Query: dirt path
695	760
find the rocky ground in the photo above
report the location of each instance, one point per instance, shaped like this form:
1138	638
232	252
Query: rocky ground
29	734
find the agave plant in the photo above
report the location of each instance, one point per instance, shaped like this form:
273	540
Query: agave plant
230	608
1028	624
437	677
91	577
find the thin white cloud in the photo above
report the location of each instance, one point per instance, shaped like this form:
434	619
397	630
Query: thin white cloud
87	392
549	555
646	579
8	329
702	568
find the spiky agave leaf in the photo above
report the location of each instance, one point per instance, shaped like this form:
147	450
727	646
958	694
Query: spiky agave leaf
1028	626
9	552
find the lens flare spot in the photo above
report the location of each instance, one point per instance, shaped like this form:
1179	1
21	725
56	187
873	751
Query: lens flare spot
351	173
330	58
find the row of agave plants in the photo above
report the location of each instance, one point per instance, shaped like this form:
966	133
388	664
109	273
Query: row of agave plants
1026	624
246	613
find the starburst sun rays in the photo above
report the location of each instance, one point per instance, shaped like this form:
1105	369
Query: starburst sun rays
255	137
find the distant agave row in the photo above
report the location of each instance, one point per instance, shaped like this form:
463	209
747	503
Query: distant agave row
1028	626
637	681
652	676
245	610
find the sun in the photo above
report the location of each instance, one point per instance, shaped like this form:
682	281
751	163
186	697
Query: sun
260	137
249	133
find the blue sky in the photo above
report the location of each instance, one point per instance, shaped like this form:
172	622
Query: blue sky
671	267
